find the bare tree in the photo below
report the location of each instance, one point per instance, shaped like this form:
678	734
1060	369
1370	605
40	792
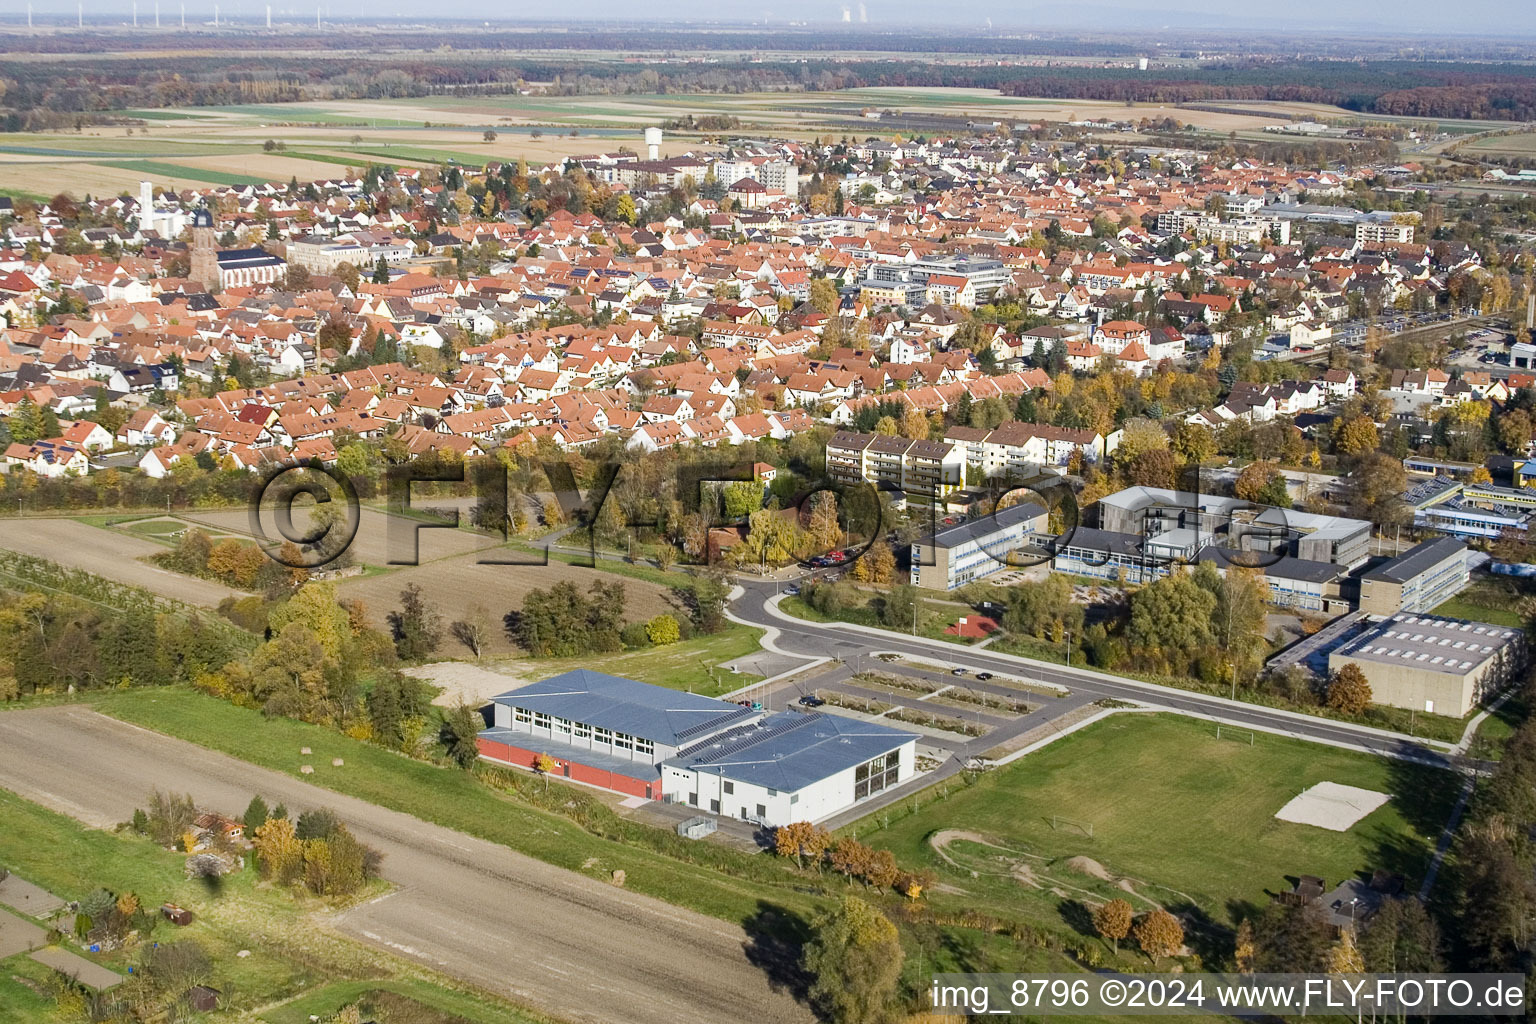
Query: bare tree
473	629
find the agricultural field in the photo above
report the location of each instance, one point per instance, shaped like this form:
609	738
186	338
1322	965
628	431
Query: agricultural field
1517	147
197	147
455	584
120	556
1159	807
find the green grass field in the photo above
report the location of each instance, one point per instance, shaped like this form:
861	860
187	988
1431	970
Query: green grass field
1457	608
933	615
1187	817
698	665
1489	598
169	170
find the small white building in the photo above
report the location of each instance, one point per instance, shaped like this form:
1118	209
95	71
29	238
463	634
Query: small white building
792	766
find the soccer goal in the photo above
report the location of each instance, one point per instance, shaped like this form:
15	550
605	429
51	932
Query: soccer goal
1235	735
1058	823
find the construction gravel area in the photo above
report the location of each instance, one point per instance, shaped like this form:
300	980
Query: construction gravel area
462	683
578	948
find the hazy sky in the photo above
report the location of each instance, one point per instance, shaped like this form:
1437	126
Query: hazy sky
1412	17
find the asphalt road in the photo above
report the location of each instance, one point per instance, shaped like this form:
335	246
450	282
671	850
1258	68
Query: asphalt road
574	947
812	640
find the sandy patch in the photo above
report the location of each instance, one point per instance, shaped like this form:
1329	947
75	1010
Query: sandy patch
1090	867
1332	806
470	684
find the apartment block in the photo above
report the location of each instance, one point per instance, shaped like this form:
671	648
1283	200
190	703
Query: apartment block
923	469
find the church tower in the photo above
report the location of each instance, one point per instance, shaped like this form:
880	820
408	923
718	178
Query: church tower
204	259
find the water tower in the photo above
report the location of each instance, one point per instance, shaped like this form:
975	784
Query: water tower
653	143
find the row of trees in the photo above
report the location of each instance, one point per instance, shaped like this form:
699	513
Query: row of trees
1493	859
810	843
59	641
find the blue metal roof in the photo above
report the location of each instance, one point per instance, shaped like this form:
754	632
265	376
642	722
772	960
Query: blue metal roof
791	750
626	705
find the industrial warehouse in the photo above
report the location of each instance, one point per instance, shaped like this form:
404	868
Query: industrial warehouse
645	741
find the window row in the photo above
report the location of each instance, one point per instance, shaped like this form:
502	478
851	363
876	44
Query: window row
583	731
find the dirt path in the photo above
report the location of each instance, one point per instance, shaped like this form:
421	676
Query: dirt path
1033	875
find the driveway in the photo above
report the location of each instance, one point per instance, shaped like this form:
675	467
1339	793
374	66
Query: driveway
572	946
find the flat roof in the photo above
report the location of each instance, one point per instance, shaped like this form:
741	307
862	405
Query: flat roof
982	527
1309	523
655	713
1430	643
791	750
1100	540
1283	568
1418	559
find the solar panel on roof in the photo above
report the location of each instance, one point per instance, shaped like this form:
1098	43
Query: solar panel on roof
729	746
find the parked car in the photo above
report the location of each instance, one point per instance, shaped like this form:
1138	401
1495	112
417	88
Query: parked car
810	700
983	676
957	671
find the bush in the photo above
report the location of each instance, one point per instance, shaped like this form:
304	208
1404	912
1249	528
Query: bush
663	630
635	635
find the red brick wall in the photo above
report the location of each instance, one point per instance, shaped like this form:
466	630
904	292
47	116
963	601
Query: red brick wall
599	777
